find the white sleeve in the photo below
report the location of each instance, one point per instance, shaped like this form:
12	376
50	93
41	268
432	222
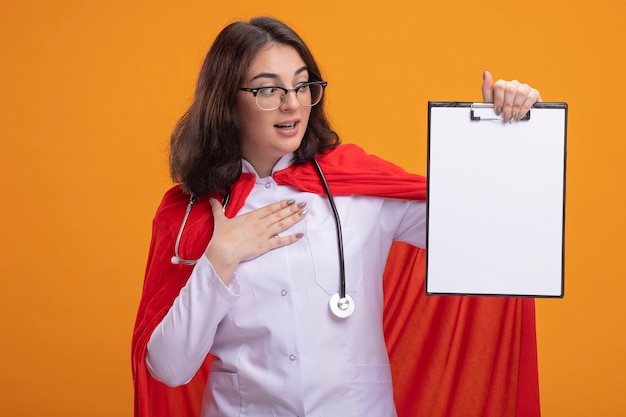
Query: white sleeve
408	221
180	343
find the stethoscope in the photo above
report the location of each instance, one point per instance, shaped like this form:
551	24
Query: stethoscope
341	304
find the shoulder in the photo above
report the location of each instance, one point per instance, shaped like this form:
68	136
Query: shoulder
173	202
351	157
345	150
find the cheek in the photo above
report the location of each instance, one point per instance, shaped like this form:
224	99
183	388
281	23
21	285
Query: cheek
248	118
306	116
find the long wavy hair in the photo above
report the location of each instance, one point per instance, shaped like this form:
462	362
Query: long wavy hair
205	147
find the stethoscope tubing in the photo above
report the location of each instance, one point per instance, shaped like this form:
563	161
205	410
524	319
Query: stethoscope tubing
331	200
341	304
176	259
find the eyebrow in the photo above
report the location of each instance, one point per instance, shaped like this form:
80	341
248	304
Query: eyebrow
275	76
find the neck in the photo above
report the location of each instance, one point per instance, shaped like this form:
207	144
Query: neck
264	167
262	170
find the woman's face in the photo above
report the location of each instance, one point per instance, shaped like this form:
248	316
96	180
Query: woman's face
268	135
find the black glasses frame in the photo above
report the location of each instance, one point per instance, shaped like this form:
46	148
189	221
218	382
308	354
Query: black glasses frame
286	91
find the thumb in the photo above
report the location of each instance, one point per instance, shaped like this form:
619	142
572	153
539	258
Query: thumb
217	209
487	87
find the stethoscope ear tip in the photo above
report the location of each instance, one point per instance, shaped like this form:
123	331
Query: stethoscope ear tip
175	260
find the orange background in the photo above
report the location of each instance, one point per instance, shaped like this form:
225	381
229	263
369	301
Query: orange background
91	90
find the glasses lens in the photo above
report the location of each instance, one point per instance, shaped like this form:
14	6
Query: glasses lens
269	98
310	95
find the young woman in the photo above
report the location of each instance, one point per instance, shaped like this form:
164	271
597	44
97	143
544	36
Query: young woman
269	255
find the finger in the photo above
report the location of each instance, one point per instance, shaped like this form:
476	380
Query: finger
531	98
217	209
510	91
274	208
286	218
279	241
487	87
518	102
498	96
290	209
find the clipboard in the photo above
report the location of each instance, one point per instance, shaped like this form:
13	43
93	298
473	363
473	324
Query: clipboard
496	201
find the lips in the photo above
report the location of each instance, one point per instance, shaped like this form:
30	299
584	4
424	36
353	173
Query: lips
287	125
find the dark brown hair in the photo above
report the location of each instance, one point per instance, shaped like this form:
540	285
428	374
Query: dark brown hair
205	148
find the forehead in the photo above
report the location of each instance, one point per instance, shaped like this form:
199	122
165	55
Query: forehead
278	60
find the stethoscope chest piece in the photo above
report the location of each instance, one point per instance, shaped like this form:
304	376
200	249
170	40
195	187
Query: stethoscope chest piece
341	307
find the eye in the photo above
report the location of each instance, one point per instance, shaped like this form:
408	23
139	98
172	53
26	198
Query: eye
267	91
303	88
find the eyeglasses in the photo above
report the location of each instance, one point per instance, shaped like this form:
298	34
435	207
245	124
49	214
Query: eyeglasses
271	98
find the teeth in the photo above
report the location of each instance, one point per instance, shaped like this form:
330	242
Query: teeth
288	126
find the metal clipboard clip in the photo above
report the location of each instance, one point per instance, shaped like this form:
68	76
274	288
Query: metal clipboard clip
484	111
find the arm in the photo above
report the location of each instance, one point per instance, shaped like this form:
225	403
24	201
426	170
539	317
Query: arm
409	218
180	342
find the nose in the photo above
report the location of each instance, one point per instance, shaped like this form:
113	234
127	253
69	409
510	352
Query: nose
289	101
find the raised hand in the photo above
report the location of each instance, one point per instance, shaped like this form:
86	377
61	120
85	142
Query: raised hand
250	235
511	99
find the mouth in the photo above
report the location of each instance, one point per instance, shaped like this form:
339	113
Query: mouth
287	125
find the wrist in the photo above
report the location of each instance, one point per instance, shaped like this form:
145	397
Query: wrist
223	264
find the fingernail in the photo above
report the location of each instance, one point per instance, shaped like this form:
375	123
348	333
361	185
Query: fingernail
290	202
299	235
514	117
506	117
301	205
498	110
303	213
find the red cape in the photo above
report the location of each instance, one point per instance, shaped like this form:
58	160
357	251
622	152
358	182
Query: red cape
450	356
